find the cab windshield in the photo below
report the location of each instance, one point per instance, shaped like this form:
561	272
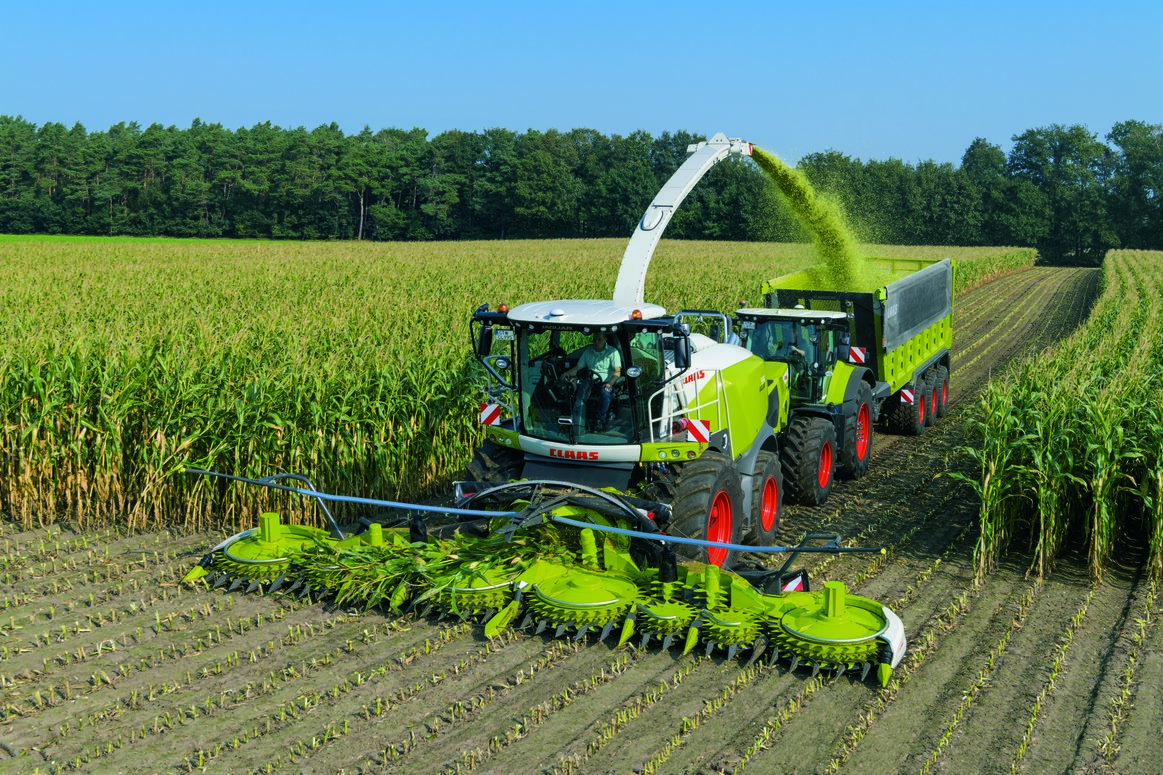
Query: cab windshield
575	386
794	343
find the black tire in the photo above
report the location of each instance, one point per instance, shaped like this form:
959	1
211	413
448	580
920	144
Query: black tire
909	419
931	397
857	436
708	505
493	464
766	500
942	391
809	460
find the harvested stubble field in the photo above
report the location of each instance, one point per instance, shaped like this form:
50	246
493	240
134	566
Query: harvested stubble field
109	665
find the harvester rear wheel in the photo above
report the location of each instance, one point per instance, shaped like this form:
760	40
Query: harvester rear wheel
858	436
708	505
766	499
809	460
942	391
493	464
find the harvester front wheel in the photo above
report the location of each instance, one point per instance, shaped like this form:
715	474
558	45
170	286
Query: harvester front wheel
766	499
708	505
809	460
858	436
493	464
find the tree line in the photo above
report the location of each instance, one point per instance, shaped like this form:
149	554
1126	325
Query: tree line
1060	189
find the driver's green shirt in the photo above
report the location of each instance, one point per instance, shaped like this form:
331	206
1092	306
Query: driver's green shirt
601	363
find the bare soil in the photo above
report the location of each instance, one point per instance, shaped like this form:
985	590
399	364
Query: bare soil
107	664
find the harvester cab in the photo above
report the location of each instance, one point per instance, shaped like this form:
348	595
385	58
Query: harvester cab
580	372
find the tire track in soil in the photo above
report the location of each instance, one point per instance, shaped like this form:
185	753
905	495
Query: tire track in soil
1138	740
211	670
584	728
1059	742
500	700
323	692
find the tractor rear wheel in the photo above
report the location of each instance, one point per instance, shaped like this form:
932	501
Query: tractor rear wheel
809	460
708	505
493	464
766	499
858	436
942	391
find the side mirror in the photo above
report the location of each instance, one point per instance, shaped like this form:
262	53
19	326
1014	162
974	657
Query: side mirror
682	352
485	341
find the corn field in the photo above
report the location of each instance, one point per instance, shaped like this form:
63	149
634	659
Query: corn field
1070	444
126	360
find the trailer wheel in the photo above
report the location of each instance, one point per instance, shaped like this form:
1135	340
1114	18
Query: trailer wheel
858	436
809	460
766	500
493	464
942	391
931	397
708	505
909	419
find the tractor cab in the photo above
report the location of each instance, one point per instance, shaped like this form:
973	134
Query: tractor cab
581	371
808	341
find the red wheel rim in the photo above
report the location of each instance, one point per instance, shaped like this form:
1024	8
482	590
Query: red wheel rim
719	527
825	473
933	403
863	422
769	504
921	409
944	392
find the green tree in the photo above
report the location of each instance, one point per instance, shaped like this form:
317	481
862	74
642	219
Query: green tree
1136	184
1068	165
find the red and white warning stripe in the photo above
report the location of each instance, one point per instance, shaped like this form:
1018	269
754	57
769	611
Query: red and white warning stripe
907	396
857	354
490	414
795	585
698	430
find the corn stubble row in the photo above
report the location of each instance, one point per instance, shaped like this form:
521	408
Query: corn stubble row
1070	444
123	361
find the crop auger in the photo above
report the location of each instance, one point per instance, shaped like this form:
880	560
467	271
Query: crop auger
567	558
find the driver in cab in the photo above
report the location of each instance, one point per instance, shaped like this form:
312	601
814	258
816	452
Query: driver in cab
605	363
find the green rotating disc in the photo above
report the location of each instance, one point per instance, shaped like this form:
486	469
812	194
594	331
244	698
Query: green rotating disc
839	630
581	598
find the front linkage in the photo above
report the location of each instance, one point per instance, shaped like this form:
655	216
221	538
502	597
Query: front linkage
566	557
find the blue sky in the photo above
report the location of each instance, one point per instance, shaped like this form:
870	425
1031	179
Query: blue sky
908	80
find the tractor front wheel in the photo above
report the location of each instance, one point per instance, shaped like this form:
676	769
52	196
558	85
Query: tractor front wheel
493	464
708	506
809	460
